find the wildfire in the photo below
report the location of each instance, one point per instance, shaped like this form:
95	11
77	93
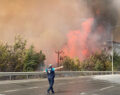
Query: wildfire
79	44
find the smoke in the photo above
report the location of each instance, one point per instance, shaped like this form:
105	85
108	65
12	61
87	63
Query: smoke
93	33
47	23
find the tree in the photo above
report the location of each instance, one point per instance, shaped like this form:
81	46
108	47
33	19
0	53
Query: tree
98	62
76	64
17	54
116	61
16	58
67	63
4	57
71	64
33	59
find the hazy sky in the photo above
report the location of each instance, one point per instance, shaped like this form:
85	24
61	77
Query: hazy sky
45	23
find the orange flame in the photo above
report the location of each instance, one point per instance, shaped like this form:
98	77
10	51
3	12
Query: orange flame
77	41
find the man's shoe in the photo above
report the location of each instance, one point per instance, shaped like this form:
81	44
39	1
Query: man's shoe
53	92
48	93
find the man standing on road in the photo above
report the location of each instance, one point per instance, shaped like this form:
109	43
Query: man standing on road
51	75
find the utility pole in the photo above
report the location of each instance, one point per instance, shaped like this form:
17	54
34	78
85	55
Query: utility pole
117	26
112	54
58	54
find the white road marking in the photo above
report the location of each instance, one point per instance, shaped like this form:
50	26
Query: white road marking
33	87
11	90
8	91
106	88
83	93
2	94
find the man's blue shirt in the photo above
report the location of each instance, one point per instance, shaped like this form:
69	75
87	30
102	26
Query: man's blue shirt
50	73
53	69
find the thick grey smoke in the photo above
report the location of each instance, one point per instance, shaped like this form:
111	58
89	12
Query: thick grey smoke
45	23
109	15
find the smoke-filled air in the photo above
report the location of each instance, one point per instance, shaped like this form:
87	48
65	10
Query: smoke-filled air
76	27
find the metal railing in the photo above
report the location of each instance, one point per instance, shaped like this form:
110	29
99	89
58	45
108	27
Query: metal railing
30	75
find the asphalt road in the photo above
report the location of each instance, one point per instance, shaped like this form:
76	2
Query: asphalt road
63	86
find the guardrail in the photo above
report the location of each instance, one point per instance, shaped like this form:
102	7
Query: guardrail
21	75
29	75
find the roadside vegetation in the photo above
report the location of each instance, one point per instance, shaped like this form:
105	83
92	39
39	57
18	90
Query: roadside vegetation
18	58
116	61
96	62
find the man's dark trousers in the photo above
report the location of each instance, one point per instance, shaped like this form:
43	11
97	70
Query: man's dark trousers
51	83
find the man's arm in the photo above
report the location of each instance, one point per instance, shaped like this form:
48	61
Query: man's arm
57	68
45	70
